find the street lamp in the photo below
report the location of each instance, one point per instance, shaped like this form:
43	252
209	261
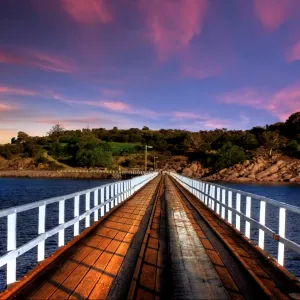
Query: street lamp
146	147
155	167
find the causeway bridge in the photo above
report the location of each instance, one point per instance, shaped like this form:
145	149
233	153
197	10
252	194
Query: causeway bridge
155	236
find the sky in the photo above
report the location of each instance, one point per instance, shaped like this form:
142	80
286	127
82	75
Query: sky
184	64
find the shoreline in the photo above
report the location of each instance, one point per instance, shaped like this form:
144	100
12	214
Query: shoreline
57	174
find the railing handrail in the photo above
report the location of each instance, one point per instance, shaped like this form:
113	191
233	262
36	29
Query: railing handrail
206	192
277	203
21	208
110	195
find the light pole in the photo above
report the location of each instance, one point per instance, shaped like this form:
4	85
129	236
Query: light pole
155	167
146	147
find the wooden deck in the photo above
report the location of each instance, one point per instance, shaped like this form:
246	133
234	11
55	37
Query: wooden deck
95	260
160	244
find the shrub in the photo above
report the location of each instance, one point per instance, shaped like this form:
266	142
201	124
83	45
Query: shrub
229	155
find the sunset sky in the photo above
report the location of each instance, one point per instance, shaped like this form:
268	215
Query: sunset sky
185	64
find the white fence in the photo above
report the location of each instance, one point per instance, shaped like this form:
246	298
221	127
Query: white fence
105	197
220	199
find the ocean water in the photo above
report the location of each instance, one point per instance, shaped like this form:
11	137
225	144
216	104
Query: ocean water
18	191
289	194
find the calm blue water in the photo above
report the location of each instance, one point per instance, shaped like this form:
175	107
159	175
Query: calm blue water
18	191
14	191
284	193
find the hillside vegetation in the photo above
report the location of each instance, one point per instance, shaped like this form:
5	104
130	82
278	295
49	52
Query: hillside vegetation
215	149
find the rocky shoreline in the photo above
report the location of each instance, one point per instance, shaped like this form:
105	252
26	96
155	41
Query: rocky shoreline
259	170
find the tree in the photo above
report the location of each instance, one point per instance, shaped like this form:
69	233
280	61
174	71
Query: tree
13	140
229	155
56	132
92	153
271	140
293	124
57	149
96	157
145	128
22	137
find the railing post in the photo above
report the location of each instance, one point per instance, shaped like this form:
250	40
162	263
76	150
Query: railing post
61	220
206	192
209	198
112	195
102	200
262	221
229	206
122	191
11	245
224	203
238	208
213	197
218	199
42	228
76	214
282	218
119	192
96	203
248	214
87	208
107	198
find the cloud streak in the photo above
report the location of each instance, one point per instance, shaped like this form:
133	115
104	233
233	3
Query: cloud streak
172	25
37	59
17	91
5	107
87	11
281	103
197	121
272	14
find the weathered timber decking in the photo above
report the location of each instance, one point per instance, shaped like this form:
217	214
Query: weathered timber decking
162	243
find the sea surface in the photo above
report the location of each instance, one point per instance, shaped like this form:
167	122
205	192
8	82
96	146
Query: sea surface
289	194
18	191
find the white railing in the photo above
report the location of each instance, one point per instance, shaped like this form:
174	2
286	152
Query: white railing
105	198
219	199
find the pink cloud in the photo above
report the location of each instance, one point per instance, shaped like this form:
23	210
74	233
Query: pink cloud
185	115
294	53
245	97
116	105
37	59
285	102
17	91
281	103
172	25
6	107
272	14
198	121
87	11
